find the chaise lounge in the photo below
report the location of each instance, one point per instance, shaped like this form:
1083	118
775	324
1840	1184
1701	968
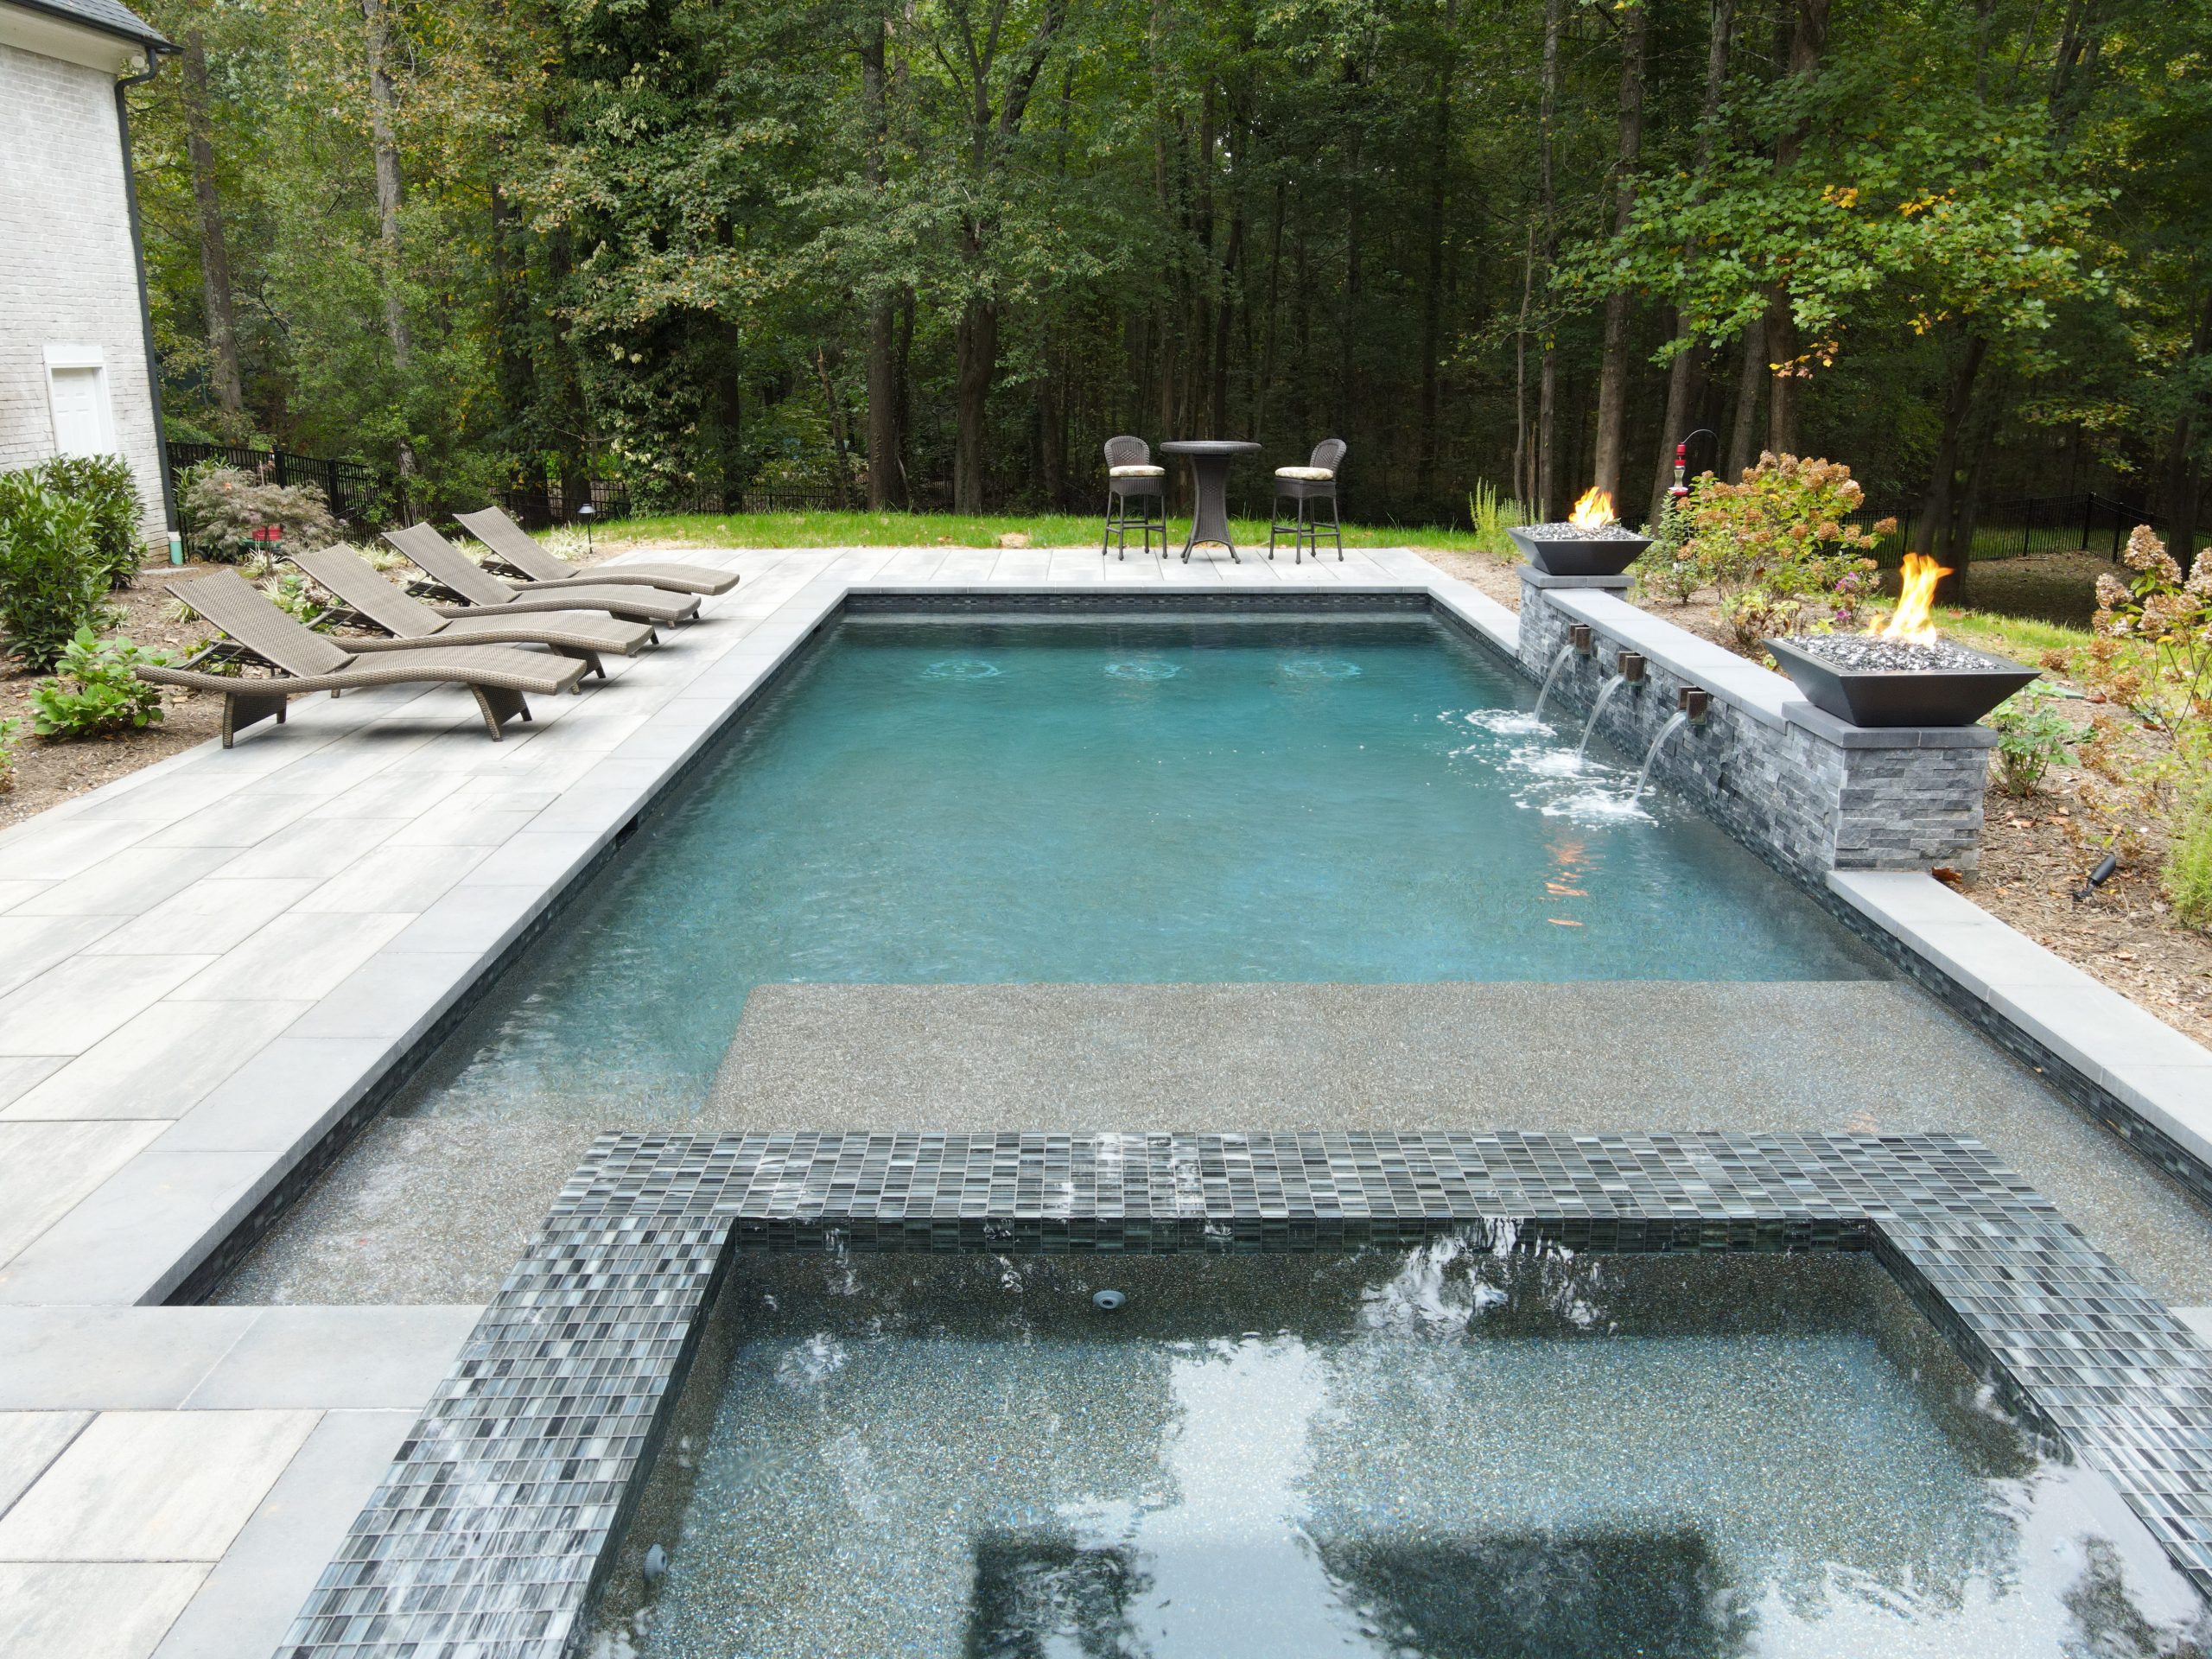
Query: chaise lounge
479	590
515	548
307	661
370	599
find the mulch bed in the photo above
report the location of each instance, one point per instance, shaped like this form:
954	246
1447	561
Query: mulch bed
48	771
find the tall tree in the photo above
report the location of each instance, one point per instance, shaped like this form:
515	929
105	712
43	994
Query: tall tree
214	251
1674	425
1613	361
383	100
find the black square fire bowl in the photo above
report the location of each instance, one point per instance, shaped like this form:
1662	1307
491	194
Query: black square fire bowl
1941	696
1578	556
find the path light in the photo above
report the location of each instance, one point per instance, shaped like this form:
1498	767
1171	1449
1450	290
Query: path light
2098	877
585	513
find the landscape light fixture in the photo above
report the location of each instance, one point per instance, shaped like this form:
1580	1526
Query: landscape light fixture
2098	877
585	513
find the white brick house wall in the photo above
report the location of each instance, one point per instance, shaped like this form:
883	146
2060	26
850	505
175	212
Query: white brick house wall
68	276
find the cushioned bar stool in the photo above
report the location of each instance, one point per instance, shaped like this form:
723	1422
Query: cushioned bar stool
1133	481
1302	486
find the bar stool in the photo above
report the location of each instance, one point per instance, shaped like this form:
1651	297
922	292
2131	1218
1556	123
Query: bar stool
1131	479
1315	481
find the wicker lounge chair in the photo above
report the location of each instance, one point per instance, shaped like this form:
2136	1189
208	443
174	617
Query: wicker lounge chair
375	601
479	590
513	547
307	661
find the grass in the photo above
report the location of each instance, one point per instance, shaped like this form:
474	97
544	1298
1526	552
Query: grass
2024	637
951	529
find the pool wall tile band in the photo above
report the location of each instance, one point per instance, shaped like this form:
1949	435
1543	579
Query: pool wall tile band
489	1533
1809	792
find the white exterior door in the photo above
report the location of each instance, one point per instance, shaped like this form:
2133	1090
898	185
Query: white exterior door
84	424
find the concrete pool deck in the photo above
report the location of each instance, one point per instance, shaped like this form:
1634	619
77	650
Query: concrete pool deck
206	965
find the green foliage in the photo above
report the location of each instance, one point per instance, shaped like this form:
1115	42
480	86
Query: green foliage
225	505
51	578
1491	514
2188	872
8	730
1667	566
104	485
2168	618
2032	736
96	691
1780	548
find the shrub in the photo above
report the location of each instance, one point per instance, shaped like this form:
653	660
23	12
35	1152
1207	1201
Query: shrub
1667	566
51	578
8	730
2170	618
1777	547
2188	874
96	691
1490	515
103	484
225	505
2031	736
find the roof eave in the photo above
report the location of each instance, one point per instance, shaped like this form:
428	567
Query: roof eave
144	35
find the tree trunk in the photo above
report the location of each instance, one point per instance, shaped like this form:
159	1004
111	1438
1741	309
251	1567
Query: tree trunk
840	437
1931	534
883	482
1431	303
1550	502
1613	366
1681	372
1743	435
1807	39
214	253
1682	377
975	355
384	100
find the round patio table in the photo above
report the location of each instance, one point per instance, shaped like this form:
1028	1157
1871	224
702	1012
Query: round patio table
1210	458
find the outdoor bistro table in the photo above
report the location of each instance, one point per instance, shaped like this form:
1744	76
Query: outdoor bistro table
1210	458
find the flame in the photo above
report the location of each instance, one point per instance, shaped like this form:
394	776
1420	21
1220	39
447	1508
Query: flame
1593	511
1911	621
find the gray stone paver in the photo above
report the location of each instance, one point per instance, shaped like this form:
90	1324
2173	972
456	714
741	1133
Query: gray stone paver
30	1442
153	1486
92	1610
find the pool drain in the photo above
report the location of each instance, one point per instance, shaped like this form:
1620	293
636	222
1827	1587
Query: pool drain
1107	1300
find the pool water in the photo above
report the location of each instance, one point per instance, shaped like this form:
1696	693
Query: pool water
1359	799
1444	1454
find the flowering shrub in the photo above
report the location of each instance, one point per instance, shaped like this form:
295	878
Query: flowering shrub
2171	619
96	691
1778	547
225	505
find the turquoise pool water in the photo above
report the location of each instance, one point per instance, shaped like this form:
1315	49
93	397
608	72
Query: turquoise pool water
1439	1455
965	801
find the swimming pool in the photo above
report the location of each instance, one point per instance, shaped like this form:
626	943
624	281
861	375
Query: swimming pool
966	801
1426	1455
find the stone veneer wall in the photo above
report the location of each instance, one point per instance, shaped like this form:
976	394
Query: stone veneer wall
1812	792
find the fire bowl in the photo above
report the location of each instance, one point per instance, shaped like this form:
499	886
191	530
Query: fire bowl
1888	686
1560	550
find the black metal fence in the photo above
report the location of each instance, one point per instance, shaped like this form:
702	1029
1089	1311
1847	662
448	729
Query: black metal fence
359	493
2017	529
611	499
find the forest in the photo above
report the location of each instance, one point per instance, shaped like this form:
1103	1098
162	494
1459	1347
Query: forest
932	253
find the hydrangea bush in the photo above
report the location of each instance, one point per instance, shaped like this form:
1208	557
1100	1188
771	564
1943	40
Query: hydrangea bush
1780	548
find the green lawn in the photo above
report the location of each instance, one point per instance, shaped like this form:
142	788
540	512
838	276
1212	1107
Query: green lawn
951	529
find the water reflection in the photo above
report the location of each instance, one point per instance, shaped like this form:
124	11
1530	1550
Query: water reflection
1472	1449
